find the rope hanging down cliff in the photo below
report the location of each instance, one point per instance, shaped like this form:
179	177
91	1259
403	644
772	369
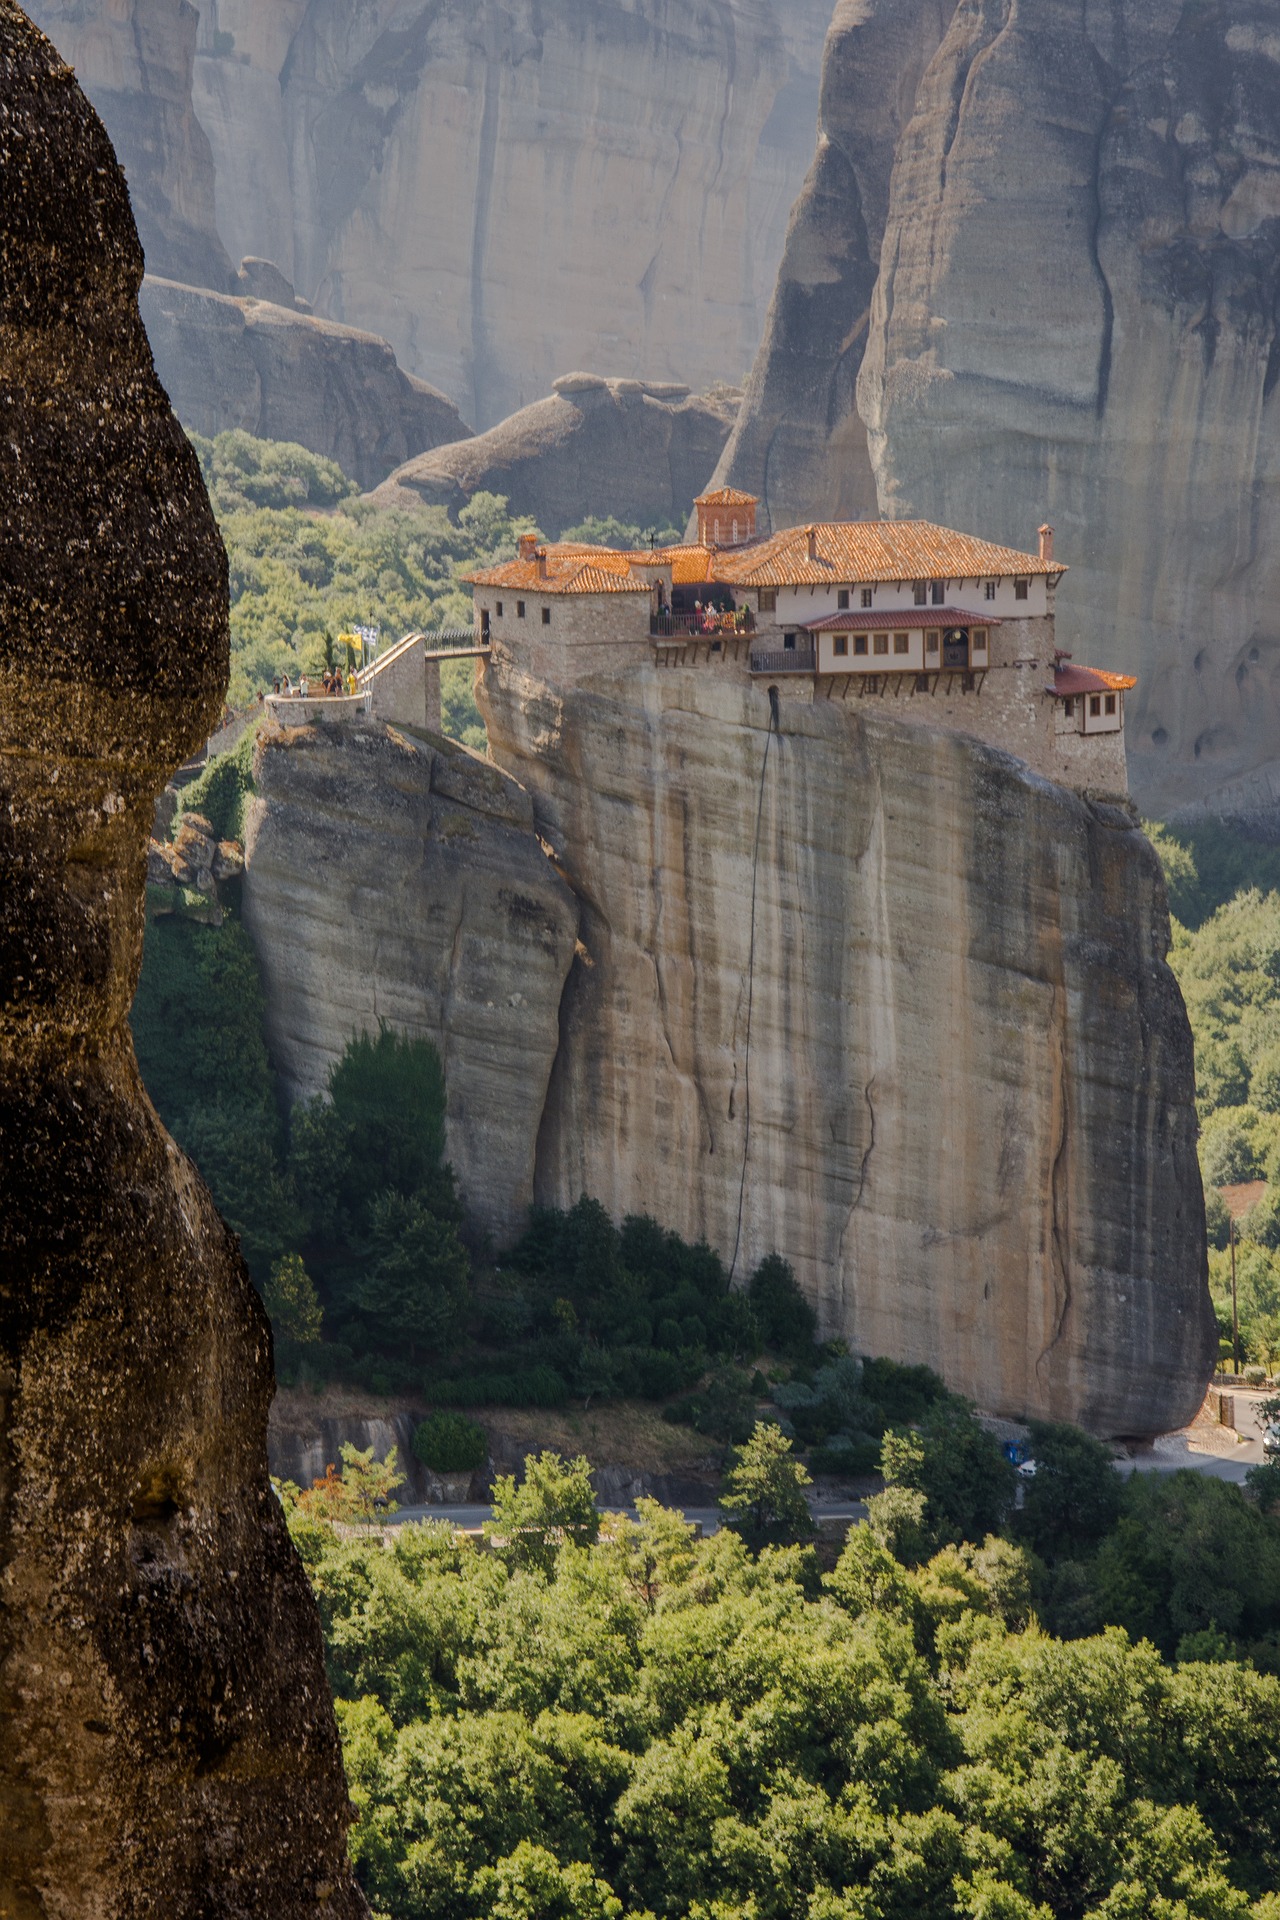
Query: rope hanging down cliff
774	727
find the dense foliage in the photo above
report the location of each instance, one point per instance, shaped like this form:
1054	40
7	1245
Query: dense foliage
1226	954
607	1719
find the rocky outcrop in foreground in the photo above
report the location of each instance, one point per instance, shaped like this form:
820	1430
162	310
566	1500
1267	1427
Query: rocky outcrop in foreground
638	449
398	877
1043	247
436	174
261	364
167	1742
921	1039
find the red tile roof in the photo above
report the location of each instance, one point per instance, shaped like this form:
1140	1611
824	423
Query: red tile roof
912	618
872	550
727	497
1068	680
569	569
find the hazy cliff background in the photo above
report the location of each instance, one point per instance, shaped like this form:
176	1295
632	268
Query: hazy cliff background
501	191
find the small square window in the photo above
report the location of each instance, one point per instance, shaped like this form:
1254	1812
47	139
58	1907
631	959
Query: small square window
1069	709
1111	703
859	642
882	643
498	607
921	593
866	596
936	592
990	589
980	639
546	616
1095	705
1020	589
900	643
789	642
931	641
841	645
768	599
519	609
842	599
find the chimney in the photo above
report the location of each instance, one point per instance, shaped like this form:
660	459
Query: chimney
542	563
528	545
1046	544
811	542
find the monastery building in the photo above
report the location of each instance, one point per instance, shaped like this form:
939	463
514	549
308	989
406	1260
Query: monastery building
948	629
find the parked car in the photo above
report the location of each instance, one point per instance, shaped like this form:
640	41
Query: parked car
1271	1441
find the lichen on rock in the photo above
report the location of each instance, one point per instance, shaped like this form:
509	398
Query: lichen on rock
167	1743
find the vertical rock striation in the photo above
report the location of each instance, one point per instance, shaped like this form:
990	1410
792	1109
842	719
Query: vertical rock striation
798	443
167	1743
881	999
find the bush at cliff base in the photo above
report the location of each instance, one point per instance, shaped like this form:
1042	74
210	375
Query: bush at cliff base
450	1443
616	1718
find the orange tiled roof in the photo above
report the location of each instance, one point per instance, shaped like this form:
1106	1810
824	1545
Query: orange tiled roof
1068	680
569	569
726	497
849	551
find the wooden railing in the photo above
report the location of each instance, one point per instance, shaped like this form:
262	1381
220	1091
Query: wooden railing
673	626
787	660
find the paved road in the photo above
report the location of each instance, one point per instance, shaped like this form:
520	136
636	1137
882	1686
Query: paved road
709	1518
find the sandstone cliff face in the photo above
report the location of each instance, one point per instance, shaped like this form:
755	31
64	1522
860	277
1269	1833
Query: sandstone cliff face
638	449
435	173
252	363
926	1044
798	443
1068	297
396	877
167	1744
136	60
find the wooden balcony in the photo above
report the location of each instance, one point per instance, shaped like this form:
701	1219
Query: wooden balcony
785	660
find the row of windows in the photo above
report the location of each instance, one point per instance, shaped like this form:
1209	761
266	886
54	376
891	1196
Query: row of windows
546	612
901	642
925	593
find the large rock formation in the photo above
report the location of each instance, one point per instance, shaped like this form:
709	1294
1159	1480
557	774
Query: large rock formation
881	999
167	1744
398	877
640	450
1073	316
435	174
262	365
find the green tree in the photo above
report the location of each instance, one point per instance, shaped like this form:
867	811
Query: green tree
290	1299
532	1519
1073	1500
416	1285
531	1884
967	1483
362	1491
763	1496
787	1322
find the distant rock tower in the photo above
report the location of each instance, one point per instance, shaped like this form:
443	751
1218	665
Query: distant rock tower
726	518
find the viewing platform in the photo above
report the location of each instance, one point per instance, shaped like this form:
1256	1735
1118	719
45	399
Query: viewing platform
311	709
